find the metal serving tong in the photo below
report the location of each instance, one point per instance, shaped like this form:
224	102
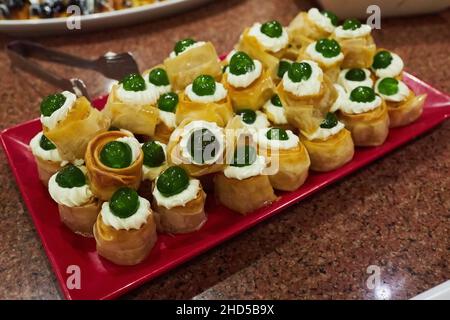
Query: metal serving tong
111	65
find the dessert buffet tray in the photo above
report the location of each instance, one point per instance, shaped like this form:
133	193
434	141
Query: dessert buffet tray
100	279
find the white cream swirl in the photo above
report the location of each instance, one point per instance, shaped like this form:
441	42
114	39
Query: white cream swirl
246	79
349	85
401	95
267	143
69	197
270	44
197	44
168	118
147	96
242	173
180	199
362	31
59	115
47	155
219	94
393	69
319	57
275	113
320	20
354	107
135	221
325	133
134	145
305	87
261	121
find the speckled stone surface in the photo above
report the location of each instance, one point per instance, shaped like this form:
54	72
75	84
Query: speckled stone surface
394	214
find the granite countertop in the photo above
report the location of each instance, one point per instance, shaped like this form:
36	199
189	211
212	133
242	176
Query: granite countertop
394	214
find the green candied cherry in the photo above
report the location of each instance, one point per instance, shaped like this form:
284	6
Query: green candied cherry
204	85
382	60
283	67
168	102
154	155
244	156
124	202
276	101
247	115
272	29
172	181
203	145
46	144
333	18
362	94
388	86
329	48
241	63
330	121
158	77
116	155
52	103
300	71
70	177
355	74
133	82
351	24
277	134
182	45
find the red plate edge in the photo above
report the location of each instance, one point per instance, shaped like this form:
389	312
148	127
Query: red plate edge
437	110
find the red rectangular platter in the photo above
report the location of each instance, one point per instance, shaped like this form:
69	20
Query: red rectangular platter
103	280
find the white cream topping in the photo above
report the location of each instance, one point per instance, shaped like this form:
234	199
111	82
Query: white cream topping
341	99
59	115
261	121
178	200
48	155
317	56
305	87
219	94
349	85
241	173
266	143
134	145
69	197
401	95
148	96
161	89
321	20
192	46
353	107
393	69
246	79
270	44
276	114
360	32
324	133
169	118
136	221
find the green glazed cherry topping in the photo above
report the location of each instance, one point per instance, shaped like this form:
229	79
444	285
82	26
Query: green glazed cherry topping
158	77
172	181
333	18
124	203
204	86
116	155
154	155
241	63
276	101
203	145
70	177
283	67
248	116
182	45
382	60
244	156
277	134
355	74
133	82
272	29
299	71
46	144
351	24
362	94
388	86
329	48
330	121
52	103
168	102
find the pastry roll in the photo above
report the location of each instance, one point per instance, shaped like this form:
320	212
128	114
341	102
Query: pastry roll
78	208
125	230
276	113
243	187
113	159
404	107
198	147
131	105
366	116
70	122
191	59
387	64
205	99
48	159
289	160
331	146
266	43
247	83
167	105
349	79
178	202
356	42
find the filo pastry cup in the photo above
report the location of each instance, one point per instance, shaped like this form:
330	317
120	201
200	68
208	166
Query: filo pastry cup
406	112
302	31
80	219
358	52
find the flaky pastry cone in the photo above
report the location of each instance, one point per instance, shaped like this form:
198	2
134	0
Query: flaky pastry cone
46	169
125	247
72	135
139	119
244	196
358	52
104	181
330	154
368	128
81	219
406	112
184	68
302	31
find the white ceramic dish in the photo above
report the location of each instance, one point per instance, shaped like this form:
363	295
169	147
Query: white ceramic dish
38	27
